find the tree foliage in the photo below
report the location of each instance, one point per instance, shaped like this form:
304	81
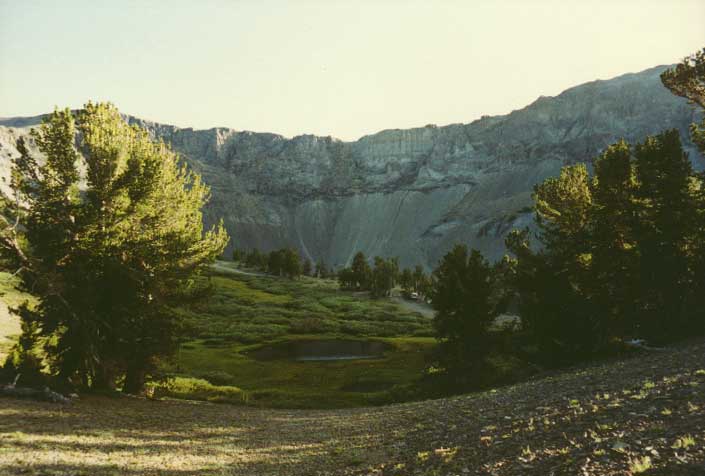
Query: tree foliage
115	235
461	297
384	276
619	252
361	271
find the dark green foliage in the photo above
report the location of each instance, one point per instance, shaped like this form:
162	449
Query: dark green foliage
687	80
239	255
347	279
665	232
275	262
256	259
379	281
322	270
362	274
620	252
306	268
464	312
108	263
614	265
384	276
406	281
414	281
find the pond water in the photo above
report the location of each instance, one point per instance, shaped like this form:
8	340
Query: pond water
321	350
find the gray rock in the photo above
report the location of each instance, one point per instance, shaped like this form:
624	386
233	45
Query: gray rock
409	193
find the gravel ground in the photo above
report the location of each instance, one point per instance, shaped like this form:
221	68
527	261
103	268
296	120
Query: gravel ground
644	415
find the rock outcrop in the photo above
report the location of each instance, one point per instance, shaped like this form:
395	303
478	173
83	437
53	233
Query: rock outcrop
409	193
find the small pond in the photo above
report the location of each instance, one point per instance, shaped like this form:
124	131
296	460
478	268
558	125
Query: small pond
321	350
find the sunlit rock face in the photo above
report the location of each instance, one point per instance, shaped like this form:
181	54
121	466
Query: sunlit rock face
408	193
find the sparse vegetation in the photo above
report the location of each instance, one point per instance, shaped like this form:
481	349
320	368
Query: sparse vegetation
529	429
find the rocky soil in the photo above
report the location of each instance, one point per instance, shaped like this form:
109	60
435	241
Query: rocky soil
643	415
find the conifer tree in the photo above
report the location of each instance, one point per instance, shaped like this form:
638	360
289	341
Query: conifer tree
111	251
461	299
614	264
306	267
666	227
361	271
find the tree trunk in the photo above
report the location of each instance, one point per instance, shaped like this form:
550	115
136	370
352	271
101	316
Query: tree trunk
134	379
103	379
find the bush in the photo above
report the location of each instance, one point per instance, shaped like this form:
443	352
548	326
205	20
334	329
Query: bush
198	389
218	377
309	325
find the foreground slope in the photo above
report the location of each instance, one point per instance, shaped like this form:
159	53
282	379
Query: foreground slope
410	193
644	413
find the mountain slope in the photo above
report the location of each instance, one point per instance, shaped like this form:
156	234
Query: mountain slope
411	193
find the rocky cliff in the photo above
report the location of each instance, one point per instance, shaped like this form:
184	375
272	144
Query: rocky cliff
408	193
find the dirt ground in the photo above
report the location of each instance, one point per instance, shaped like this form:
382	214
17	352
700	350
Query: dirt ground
643	415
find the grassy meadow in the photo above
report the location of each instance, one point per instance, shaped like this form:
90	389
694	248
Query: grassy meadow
9	324
248	311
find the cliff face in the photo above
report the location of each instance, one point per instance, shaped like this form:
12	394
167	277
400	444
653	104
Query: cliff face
409	193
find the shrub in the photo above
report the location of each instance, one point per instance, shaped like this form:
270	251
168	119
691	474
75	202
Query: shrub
218	377
198	389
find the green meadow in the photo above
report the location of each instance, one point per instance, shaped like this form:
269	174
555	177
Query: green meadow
246	312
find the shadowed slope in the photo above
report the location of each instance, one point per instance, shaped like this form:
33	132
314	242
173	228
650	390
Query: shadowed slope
592	421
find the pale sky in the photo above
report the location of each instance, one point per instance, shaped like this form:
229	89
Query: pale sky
326	67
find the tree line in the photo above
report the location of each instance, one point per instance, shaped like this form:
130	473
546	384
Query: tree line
382	277
282	262
619	254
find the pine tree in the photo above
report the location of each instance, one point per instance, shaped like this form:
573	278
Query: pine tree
406	281
418	278
464	313
321	269
665	231
555	287
384	276
306	268
291	263
361	270
687	80
111	261
614	265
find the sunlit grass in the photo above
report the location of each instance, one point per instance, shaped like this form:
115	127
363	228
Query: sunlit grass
9	324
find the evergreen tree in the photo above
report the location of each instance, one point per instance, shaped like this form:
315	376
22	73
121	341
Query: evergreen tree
291	263
665	231
687	80
418	278
306	268
346	279
384	276
407	282
276	262
321	269
256	259
556	292
238	255
361	271
615	272
109	263
464	313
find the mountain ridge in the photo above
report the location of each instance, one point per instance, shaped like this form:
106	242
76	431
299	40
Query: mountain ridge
26	121
414	192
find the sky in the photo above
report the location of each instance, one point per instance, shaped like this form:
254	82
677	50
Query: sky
327	67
